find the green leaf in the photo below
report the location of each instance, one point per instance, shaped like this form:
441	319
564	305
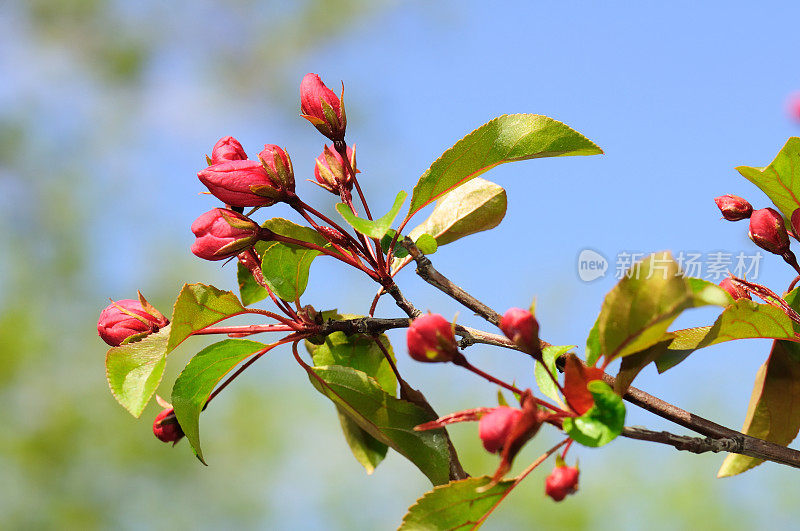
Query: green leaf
632	365
456	505
427	244
545	383
366	449
378	227
386	418
774	410
506	138
781	179
198	379
593	351
705	293
134	370
249	290
603	422
286	267
638	310
743	319
476	206
386	241
358	351
197	307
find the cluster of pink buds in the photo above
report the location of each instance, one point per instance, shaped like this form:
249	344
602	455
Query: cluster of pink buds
767	230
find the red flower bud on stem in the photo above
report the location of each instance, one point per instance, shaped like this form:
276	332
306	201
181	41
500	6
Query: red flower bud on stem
166	427
331	170
733	207
494	427
322	107
129	319
241	183
431	338
278	166
223	233
562	481
735	291
227	148
521	327
768	231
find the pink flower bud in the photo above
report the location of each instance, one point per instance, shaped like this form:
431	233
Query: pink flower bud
227	148
733	207
322	107
241	183
795	221
733	290
127	318
495	426
331	171
166	427
278	166
223	233
562	481
521	327
768	231
430	338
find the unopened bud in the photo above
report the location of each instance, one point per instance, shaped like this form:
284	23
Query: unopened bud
430	338
227	148
495	426
521	327
166	427
278	166
562	481
241	183
331	171
322	107
734	290
128	318
223	233
733	207
768	231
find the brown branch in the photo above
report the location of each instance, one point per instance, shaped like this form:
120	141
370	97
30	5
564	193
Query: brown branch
429	274
696	445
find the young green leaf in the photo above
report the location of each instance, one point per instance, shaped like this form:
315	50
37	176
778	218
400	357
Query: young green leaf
198	379
197	307
427	244
386	418
545	383
134	370
603	422
781	179
476	206
286	267
638	310
507	138
456	505
774	410
359	352
743	319
378	227
367	450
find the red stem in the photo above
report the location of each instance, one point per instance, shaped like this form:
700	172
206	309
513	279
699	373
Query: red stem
343	258
244	330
